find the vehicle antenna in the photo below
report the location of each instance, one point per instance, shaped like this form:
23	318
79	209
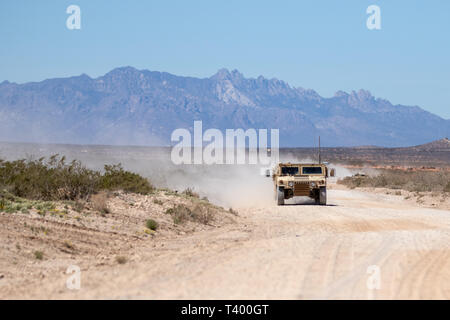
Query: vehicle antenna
320	160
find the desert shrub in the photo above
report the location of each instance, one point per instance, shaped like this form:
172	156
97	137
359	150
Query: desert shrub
152	224
415	181
190	193
100	202
47	180
121	259
78	206
116	178
39	255
11	204
54	179
203	214
158	202
180	213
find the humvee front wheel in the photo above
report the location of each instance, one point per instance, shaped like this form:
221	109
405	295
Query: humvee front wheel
323	196
317	198
280	196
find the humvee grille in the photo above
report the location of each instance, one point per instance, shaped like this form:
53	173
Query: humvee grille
301	189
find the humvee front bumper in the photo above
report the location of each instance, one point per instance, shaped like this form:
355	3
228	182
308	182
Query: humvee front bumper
301	189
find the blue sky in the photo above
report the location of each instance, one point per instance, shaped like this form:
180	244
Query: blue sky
322	45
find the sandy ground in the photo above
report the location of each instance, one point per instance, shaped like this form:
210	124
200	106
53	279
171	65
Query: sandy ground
267	252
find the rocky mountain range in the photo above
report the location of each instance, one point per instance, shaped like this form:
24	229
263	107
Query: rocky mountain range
139	107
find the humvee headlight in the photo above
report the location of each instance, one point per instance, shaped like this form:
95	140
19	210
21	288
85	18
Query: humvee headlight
313	184
291	183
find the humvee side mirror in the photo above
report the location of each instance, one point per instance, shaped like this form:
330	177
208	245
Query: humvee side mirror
332	172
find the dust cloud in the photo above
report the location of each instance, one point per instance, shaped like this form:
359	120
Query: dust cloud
233	186
225	185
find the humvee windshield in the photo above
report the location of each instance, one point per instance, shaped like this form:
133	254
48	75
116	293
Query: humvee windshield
311	170
289	170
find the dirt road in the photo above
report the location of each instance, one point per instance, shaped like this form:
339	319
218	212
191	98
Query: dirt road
289	252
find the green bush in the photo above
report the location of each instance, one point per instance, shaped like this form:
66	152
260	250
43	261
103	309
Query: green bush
115	178
39	255
55	179
152	224
47	180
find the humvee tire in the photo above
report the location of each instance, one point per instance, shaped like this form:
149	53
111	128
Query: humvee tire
280	196
317	198
323	196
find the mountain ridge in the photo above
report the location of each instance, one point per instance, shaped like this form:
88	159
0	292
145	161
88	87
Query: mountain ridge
131	106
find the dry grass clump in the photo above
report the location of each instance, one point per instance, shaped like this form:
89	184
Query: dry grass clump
414	181
200	213
100	202
191	193
203	214
180	213
67	244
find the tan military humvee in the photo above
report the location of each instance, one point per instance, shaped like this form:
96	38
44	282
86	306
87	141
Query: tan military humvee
307	180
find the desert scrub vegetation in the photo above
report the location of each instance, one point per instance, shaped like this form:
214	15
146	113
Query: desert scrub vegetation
116	178
203	213
10	203
180	213
121	259
100	202
414	181
200	213
151	224
189	192
55	179
39	255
